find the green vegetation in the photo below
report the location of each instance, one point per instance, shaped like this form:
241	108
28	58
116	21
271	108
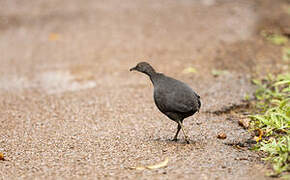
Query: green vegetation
276	39
286	54
273	120
216	72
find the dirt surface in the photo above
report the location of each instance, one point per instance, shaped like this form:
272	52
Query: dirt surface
70	108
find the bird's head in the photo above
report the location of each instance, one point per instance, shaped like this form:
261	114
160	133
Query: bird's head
144	67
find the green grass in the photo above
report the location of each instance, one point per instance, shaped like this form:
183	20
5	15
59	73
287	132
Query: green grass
273	119
286	54
276	39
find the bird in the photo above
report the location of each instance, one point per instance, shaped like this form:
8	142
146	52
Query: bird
172	97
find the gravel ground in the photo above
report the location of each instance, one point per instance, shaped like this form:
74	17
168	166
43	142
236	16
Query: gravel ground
70	108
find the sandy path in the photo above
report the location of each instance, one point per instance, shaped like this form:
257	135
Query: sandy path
70	108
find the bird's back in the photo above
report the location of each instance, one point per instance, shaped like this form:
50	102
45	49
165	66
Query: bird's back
174	96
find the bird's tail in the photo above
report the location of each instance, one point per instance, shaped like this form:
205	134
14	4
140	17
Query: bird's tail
199	104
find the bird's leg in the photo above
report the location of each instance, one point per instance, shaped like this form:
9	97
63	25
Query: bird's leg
185	136
178	129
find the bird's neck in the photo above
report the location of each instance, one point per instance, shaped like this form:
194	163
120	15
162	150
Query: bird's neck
150	72
154	77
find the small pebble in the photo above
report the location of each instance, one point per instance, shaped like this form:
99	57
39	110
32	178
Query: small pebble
222	136
245	123
2	156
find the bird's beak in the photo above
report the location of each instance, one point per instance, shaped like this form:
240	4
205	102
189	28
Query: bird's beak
132	69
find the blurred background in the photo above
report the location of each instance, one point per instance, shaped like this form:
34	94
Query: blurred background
105	38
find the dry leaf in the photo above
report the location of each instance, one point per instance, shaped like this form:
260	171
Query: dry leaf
155	166
286	54
189	70
54	37
160	165
217	73
261	133
138	168
277	39
1	156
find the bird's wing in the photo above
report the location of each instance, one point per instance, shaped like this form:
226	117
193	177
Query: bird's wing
173	101
180	102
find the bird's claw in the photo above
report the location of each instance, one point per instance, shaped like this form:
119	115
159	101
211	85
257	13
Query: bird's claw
186	140
174	139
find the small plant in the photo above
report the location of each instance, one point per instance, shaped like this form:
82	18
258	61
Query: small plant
286	54
273	119
276	39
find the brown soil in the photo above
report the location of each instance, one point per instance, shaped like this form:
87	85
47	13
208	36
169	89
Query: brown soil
71	109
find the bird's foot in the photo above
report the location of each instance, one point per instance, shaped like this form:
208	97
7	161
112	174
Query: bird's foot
174	139
186	140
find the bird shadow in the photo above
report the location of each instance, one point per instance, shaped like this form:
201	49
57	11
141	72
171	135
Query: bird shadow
179	141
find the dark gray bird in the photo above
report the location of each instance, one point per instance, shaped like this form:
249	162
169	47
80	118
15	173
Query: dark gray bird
173	98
